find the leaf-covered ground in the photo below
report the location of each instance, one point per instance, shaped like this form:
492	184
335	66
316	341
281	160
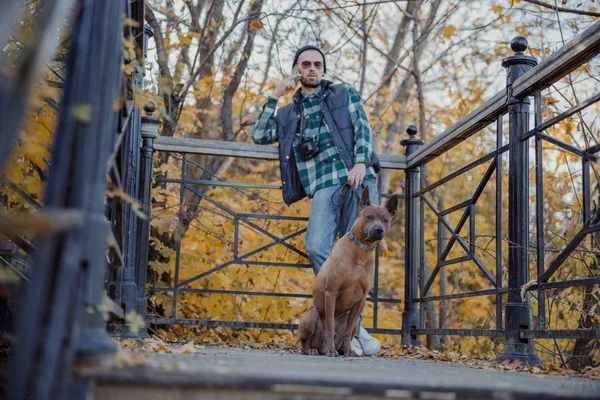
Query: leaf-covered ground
131	354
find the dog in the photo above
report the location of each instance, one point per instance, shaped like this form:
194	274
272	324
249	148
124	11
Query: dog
343	282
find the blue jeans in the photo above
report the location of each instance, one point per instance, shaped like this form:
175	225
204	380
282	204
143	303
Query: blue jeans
327	220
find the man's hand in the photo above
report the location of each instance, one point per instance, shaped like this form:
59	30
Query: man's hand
285	86
357	175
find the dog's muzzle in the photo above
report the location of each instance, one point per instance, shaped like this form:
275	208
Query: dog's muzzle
376	233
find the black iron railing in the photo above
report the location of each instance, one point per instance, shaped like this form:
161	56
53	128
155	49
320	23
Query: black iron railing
513	321
60	317
177	286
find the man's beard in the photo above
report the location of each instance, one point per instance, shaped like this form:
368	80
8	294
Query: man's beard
310	84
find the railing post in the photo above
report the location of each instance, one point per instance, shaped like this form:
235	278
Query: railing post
130	159
518	313
410	315
149	133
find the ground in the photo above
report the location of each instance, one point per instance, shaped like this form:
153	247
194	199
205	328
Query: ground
133	351
153	369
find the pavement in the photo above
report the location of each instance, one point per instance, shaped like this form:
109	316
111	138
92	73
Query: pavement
265	372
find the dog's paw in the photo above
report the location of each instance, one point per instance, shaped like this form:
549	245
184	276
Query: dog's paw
348	354
313	352
332	354
353	354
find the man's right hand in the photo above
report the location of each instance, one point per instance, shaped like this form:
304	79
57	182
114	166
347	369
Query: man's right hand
285	86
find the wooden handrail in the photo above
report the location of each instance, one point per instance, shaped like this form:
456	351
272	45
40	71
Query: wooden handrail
462	130
244	150
569	57
572	55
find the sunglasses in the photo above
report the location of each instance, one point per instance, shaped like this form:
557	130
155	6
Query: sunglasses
307	64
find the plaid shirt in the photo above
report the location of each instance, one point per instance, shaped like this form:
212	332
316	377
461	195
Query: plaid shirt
327	168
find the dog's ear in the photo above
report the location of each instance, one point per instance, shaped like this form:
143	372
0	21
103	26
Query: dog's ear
364	200
392	205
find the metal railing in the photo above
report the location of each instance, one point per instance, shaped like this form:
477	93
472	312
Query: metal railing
60	319
524	79
514	320
181	148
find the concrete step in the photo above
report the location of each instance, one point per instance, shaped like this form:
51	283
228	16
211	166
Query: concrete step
238	374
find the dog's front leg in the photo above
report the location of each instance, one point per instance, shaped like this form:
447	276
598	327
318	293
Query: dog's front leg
351	327
330	350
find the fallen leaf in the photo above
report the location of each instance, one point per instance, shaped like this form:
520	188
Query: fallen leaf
126	358
188	348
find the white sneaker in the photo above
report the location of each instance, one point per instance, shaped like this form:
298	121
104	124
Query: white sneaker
370	346
356	347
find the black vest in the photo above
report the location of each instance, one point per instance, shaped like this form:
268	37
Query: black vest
334	101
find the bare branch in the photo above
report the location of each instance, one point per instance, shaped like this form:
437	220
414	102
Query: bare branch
226	111
212	50
562	9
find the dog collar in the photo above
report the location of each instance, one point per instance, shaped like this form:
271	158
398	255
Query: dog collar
359	243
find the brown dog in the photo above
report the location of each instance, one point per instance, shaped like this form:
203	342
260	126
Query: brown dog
344	281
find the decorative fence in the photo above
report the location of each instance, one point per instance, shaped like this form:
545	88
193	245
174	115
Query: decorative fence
513	320
524	79
181	149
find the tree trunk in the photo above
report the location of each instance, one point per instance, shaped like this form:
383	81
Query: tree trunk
228	134
391	66
402	94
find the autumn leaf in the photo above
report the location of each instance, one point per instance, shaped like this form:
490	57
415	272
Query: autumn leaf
184	39
522	30
448	31
128	359
135	322
128	69
136	206
159	267
82	113
188	348
39	224
256	25
131	22
161	348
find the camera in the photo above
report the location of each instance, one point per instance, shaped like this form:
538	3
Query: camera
308	148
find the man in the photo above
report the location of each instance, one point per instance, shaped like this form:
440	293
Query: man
325	153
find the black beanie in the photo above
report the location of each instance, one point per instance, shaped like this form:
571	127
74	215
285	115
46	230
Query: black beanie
303	49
